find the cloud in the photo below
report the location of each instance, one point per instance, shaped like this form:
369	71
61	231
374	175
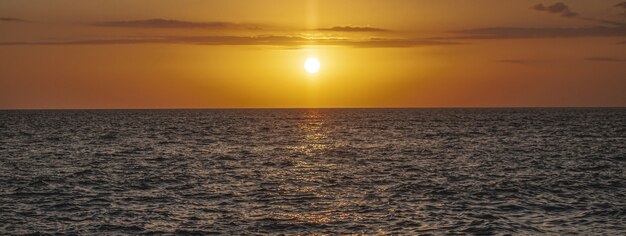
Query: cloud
557	8
168	23
517	32
203	40
606	59
269	40
616	30
564	11
621	5
288	38
397	43
216	25
353	29
11	19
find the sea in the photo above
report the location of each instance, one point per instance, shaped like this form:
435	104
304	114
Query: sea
313	171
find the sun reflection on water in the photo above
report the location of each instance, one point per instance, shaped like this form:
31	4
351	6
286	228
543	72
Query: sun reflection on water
314	134
311	177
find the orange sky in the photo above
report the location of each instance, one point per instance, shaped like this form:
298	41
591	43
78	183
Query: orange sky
398	53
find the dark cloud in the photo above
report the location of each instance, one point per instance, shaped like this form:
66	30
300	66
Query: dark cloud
11	19
522	32
516	32
167	23
353	29
606	59
557	8
564	11
621	5
289	41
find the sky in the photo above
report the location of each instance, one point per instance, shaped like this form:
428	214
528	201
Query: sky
74	54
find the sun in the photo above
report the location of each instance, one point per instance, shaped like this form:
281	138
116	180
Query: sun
312	65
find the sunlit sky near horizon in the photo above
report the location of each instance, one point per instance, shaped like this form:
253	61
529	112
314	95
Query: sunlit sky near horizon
235	54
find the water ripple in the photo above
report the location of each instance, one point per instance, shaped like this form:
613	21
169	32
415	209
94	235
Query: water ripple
328	171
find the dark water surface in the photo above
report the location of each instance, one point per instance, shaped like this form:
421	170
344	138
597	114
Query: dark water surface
370	171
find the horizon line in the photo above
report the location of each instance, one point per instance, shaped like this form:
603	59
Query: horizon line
302	108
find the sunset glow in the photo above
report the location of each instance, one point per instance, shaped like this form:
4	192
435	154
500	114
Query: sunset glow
312	117
212	54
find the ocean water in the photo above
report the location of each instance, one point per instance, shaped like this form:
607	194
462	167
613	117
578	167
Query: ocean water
305	171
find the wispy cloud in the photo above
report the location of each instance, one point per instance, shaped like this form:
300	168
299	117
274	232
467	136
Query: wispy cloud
353	29
398	43
518	32
618	29
216	25
11	19
564	11
557	8
606	59
289	41
168	23
265	35
203	40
